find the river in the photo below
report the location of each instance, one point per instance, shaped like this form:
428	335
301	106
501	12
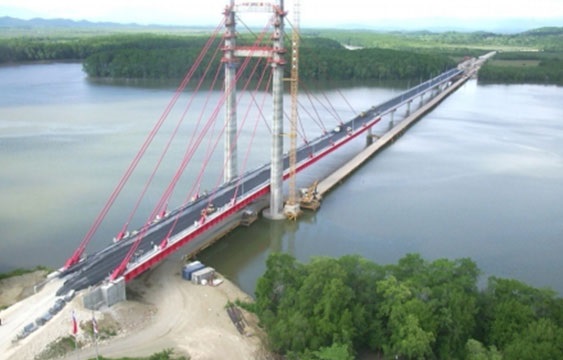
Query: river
481	176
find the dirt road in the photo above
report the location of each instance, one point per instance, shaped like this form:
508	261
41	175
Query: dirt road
163	312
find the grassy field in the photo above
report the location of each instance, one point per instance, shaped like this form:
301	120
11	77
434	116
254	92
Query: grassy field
515	63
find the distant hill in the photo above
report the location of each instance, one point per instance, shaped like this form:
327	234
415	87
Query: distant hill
7	21
40	23
439	26
544	31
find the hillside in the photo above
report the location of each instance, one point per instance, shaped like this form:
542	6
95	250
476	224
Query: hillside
136	51
540	39
38	27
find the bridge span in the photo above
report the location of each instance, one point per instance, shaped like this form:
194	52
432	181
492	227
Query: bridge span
203	220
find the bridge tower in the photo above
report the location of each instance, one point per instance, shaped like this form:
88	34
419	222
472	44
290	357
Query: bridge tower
230	151
278	61
275	55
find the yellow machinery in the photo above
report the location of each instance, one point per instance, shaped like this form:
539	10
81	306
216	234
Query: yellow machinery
310	198
292	207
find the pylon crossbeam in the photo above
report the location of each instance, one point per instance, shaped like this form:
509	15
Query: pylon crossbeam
264	52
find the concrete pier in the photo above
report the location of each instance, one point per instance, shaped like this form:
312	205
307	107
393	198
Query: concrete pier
335	178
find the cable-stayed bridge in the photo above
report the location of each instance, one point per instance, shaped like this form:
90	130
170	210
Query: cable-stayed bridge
202	217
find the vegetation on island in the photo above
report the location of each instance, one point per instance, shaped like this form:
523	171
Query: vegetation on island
415	309
542	39
154	56
135	52
524	67
534	56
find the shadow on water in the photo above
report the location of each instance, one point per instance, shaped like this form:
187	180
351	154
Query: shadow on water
241	255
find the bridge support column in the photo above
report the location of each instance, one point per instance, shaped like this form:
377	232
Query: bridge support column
275	212
409	107
230	151
392	120
421	99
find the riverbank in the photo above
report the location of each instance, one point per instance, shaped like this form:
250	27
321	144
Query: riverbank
163	311
16	288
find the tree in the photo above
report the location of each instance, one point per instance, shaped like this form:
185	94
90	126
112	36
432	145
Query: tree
477	351
543	339
332	308
282	274
509	306
334	352
401	314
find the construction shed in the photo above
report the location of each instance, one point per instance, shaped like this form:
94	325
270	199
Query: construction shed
190	268
203	276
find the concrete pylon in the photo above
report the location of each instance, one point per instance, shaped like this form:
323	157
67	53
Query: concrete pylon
230	141
275	212
275	54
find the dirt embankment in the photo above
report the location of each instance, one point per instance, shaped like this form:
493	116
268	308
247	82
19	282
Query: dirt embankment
17	288
163	311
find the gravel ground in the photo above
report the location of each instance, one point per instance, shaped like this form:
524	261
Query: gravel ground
163	311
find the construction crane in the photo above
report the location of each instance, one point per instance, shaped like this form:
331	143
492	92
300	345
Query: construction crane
291	208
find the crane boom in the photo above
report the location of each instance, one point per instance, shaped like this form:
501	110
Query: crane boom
292	205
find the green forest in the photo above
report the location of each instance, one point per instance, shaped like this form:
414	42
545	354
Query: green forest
534	56
415	309
153	56
524	67
541	39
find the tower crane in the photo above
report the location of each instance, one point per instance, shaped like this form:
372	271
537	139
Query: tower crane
291	208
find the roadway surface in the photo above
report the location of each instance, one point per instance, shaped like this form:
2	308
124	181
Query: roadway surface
98	266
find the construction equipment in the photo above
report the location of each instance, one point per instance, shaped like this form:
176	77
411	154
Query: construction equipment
291	208
310	198
248	217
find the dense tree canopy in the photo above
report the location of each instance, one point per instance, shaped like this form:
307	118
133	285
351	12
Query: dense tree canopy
381	56
543	39
549	71
415	309
321	59
151	56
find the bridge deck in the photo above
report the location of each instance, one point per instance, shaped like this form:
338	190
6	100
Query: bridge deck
185	223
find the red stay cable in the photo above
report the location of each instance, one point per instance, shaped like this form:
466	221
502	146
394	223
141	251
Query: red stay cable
259	116
240	71
121	267
78	252
167	147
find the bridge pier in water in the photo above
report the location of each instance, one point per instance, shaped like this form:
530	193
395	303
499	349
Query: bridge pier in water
275	211
230	141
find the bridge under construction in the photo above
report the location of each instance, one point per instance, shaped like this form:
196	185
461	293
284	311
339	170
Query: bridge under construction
206	217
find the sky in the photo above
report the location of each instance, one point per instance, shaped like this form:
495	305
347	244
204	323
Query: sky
314	13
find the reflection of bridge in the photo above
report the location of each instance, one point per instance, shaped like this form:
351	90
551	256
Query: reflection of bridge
200	220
